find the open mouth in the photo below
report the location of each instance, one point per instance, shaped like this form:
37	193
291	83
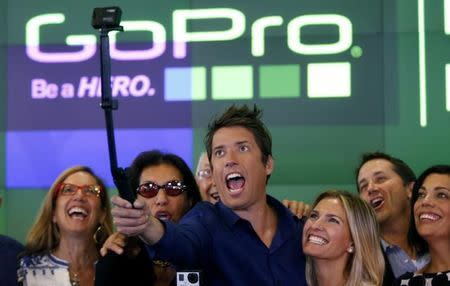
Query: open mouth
317	239
163	215
377	203
77	213
235	182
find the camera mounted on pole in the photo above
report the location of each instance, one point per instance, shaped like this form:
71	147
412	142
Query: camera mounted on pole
108	19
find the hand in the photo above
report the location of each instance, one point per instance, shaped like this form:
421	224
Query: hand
128	220
136	220
298	208
116	242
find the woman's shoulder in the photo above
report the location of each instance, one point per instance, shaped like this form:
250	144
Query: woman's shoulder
42	261
43	269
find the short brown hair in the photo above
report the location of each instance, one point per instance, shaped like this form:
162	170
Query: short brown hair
242	117
399	166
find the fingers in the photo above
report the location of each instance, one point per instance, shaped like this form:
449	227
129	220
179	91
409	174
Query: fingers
139	204
131	223
302	209
115	242
128	220
118	201
298	208
112	247
307	210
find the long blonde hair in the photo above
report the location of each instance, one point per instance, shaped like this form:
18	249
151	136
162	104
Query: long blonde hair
44	234
366	264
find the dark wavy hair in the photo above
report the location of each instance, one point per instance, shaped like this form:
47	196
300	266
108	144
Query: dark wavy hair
413	235
155	158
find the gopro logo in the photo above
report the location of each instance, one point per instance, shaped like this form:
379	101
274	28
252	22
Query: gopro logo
230	82
188	278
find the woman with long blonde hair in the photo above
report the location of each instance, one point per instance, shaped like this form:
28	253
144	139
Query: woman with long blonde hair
74	221
341	242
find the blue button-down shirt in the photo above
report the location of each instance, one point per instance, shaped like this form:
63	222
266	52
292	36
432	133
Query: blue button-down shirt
400	262
228	251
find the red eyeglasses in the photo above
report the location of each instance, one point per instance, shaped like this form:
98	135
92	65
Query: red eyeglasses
65	189
172	188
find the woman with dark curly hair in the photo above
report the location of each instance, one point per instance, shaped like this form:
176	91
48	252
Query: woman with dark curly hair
164	182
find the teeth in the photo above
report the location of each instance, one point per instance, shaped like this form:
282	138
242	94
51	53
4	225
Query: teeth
428	216
163	216
233	175
317	240
77	210
376	202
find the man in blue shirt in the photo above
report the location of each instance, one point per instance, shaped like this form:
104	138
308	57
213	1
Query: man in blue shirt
386	182
9	249
248	238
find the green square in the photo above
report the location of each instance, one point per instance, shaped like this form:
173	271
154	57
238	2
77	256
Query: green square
279	81
232	82
198	83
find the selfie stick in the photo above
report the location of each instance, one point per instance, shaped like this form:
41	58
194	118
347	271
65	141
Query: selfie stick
107	20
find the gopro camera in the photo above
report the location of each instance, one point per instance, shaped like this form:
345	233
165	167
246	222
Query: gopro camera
188	278
107	17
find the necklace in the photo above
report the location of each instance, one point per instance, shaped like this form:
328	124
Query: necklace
74	279
160	263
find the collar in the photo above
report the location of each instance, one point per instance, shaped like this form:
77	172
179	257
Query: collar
285	217
385	244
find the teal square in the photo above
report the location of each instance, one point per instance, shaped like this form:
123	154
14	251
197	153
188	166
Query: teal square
279	81
232	82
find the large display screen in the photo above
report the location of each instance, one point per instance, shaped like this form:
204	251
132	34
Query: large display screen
334	78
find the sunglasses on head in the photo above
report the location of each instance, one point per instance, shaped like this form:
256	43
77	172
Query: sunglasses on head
151	189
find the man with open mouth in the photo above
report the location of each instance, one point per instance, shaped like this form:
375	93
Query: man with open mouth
386	184
248	237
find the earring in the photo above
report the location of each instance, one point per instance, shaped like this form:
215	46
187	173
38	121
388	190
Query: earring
96	233
350	249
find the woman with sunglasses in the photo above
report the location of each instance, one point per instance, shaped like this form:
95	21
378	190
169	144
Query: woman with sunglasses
164	182
63	244
431	212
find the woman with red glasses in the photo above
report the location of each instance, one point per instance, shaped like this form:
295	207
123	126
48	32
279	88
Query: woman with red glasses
63	244
164	182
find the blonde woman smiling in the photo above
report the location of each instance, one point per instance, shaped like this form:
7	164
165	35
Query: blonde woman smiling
341	242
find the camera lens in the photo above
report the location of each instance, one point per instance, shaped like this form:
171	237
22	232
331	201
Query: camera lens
192	277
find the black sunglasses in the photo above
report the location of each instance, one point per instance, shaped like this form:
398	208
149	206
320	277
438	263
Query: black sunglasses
151	189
